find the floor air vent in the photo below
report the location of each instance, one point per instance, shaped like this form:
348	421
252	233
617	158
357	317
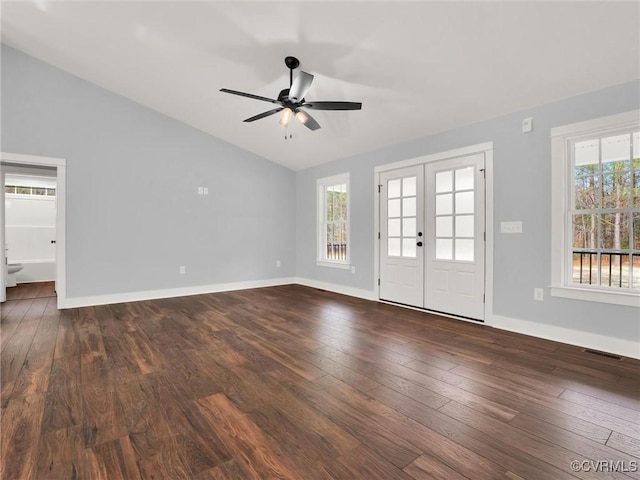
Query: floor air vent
603	354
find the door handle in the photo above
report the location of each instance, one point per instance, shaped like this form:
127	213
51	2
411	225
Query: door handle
53	241
419	244
419	234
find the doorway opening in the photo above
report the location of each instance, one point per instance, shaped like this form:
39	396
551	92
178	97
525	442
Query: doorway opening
32	226
434	218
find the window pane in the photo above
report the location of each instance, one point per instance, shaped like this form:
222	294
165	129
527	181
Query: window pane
10	189
409	207
636	231
444	204
585	231
23	190
636	185
587	153
409	247
464	250
444	226
614	270
616	189
394	227
409	227
444	181
393	247
616	149
585	268
408	186
393	188
464	179
38	191
51	192
393	209
464	202
444	249
464	225
587	186
614	228
636	272
636	144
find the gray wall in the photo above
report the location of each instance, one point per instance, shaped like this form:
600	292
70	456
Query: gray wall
133	215
522	172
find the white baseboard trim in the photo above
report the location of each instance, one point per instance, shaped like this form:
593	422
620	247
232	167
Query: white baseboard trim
618	346
335	288
171	292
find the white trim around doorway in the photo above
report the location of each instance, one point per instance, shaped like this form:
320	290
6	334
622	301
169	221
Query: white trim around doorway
487	149
60	164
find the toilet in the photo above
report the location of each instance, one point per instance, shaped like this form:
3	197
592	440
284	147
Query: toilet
12	269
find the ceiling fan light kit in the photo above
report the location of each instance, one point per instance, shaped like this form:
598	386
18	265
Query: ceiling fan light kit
291	100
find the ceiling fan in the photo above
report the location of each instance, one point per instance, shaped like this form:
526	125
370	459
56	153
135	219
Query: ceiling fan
291	100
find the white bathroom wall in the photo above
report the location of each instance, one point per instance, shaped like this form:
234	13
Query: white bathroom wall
30	227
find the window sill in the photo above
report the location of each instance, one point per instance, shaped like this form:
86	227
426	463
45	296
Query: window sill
341	265
592	295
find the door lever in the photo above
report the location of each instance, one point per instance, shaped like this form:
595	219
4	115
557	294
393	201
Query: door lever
419	244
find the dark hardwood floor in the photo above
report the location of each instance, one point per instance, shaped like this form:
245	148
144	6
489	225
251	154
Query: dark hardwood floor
292	382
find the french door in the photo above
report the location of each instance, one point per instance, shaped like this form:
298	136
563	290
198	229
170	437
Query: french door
432	236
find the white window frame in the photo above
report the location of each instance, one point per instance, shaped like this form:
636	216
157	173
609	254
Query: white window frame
321	186
561	189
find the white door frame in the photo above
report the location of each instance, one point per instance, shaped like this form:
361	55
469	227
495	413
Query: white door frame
60	164
487	149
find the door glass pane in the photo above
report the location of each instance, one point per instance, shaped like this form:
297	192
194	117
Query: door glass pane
394	188
464	179
464	249
409	207
464	226
409	227
444	227
444	249
444	204
393	209
393	227
409	247
444	181
393	247
464	202
408	186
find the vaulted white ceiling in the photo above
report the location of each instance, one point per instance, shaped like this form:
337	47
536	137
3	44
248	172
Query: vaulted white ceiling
417	67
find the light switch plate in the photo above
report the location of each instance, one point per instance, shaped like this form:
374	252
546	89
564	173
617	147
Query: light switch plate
527	125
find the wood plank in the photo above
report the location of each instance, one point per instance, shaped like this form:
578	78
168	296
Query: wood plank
624	444
426	467
249	447
20	422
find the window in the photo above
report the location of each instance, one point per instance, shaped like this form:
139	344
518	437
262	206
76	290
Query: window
333	221
596	210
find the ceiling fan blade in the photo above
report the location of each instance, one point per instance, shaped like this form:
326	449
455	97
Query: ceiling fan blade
311	123
333	105
250	95
264	114
300	86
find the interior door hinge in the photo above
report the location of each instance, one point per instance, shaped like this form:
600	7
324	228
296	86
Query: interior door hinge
378	235
485	236
379	188
378	282
484	173
483	298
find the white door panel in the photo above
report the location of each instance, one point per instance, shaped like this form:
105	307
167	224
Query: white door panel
401	230
454	236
